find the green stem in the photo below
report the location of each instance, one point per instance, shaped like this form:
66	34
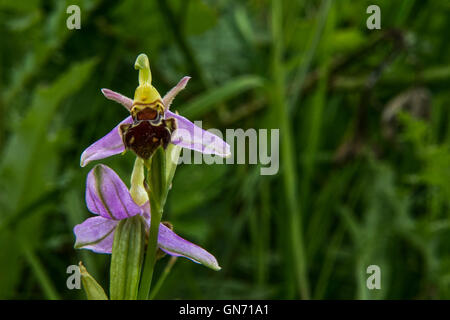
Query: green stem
39	271
157	193
152	247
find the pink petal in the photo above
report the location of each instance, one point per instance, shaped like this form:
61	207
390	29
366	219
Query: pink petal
119	98
96	234
108	196
168	98
107	146
174	245
190	136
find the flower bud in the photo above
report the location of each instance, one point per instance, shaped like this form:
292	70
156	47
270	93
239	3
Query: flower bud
93	290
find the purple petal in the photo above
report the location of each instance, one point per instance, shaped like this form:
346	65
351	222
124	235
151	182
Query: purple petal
119	98
174	245
96	234
107	146
108	196
190	136
168	98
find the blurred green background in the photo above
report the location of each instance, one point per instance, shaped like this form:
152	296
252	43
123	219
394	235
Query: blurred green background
364	142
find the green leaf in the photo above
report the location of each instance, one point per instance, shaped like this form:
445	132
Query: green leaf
127	257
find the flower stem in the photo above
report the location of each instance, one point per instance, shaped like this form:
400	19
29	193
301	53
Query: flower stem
150	257
157	193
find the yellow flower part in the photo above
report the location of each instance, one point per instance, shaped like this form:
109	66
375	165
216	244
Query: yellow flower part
137	190
147	103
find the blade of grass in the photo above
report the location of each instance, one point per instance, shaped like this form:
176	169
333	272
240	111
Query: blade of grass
39	271
327	266
264	239
314	124
163	277
299	79
294	228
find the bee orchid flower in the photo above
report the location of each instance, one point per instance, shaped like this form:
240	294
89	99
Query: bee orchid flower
152	124
108	197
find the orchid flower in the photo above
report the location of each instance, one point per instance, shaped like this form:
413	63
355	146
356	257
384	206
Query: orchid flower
109	198
151	121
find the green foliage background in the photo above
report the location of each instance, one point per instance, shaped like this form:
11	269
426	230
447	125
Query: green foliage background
364	142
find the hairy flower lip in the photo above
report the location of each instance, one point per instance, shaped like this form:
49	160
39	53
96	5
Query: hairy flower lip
191	136
110	199
144	137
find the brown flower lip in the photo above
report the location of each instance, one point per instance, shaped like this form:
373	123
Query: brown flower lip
143	138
